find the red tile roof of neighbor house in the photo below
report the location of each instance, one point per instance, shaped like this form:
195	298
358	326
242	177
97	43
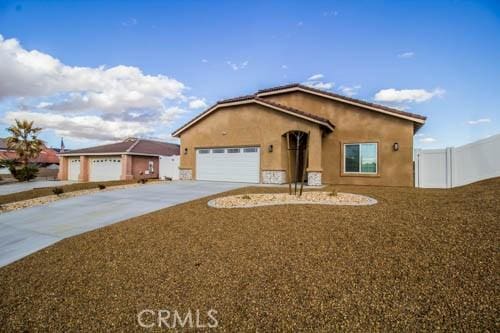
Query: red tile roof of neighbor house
47	156
418	119
131	146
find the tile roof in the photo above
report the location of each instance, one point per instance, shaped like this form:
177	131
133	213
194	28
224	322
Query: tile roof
355	100
256	99
131	146
47	156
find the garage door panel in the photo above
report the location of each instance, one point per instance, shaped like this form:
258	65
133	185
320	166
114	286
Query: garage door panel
228	164
105	168
73	168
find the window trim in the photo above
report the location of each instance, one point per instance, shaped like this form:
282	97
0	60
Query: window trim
360	173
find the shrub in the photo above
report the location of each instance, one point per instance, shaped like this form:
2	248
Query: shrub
246	197
333	193
25	173
58	190
101	186
142	181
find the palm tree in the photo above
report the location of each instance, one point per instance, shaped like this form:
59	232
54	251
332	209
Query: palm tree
24	141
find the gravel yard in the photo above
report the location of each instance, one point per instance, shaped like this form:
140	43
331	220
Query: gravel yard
418	260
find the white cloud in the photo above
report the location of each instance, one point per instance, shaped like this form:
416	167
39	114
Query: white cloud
320	85
86	127
315	77
479	121
407	95
427	140
330	13
197	103
406	55
350	90
236	67
33	73
284	67
130	22
300	24
95	103
204	61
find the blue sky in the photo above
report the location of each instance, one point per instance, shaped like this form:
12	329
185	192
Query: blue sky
108	69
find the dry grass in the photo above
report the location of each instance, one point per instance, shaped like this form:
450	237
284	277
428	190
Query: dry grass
419	260
44	191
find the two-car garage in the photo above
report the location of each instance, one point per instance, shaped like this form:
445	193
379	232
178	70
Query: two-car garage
230	164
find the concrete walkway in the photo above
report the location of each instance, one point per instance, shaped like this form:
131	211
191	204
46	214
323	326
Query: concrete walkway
28	230
25	186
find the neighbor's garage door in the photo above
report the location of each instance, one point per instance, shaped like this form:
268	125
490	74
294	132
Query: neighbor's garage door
73	168
228	164
105	168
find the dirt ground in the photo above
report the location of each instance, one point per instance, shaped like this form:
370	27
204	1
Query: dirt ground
419	260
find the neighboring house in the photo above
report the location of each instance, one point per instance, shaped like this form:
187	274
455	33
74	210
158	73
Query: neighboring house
350	141
130	159
47	161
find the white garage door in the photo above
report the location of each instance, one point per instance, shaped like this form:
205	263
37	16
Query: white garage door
105	168
228	164
73	168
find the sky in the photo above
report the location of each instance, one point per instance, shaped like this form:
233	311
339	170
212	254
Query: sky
95	72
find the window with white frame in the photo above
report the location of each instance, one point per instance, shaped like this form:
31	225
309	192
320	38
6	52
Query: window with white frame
360	158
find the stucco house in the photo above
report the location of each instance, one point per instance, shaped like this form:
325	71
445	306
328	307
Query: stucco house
349	141
132	158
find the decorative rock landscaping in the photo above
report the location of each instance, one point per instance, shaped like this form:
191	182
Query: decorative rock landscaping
268	199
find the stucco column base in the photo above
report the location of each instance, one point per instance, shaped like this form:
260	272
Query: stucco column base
314	178
185	174
273	177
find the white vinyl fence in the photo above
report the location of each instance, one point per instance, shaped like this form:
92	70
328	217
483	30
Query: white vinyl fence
169	167
451	167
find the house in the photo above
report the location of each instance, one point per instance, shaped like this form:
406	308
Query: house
132	158
341	140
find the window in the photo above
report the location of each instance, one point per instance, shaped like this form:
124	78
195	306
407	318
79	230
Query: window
204	151
233	150
218	151
360	158
250	150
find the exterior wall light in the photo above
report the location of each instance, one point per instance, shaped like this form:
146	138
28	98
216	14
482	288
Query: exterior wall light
185	151
270	148
395	146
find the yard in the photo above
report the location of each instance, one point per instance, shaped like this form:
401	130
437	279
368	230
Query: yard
419	260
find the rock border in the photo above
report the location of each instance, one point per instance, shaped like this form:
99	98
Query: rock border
17	205
368	202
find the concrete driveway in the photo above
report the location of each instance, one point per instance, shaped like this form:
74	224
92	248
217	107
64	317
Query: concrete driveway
25	186
28	230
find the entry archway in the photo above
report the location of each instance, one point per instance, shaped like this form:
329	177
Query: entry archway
297	143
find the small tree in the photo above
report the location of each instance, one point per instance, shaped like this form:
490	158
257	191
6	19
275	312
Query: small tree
24	141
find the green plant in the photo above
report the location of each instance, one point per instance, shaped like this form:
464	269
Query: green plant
333	193
25	173
101	186
246	197
58	190
24	141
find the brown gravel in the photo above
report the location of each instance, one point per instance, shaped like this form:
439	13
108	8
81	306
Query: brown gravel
419	260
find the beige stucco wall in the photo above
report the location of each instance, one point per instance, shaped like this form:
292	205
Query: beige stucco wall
354	124
245	125
256	125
